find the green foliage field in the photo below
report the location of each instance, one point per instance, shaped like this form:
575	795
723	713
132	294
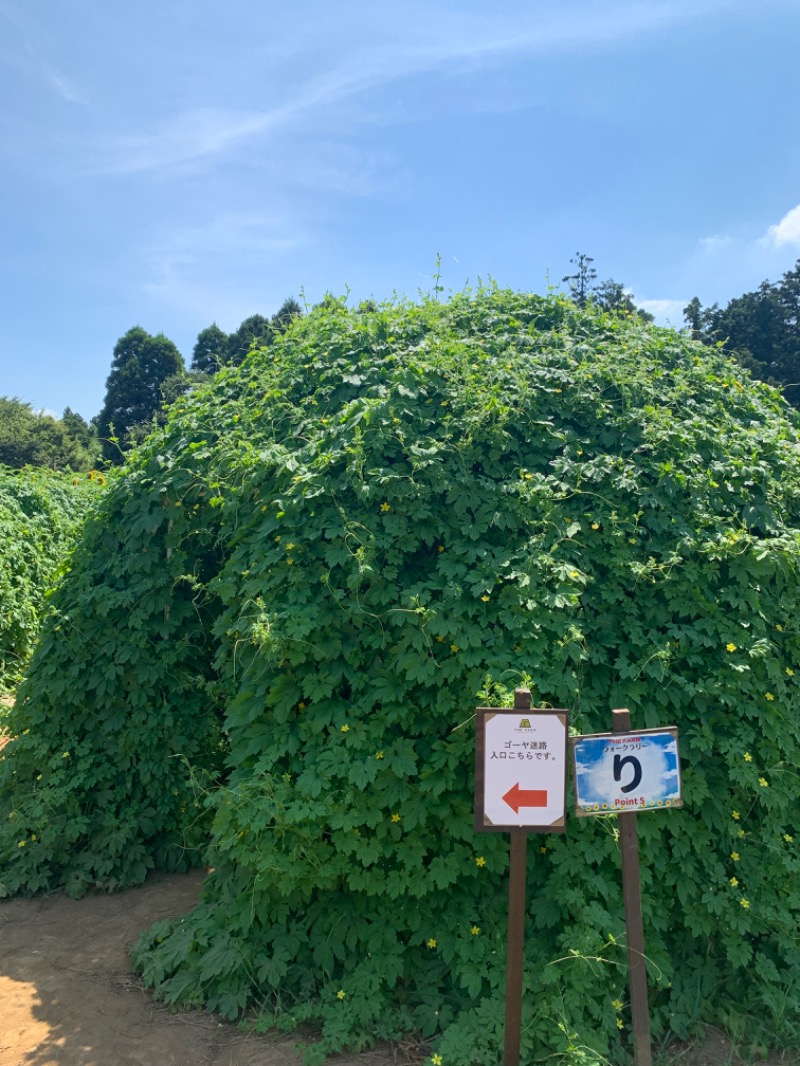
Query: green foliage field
40	514
281	617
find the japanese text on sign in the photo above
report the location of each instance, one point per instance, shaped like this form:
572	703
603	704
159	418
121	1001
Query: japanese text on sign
626	771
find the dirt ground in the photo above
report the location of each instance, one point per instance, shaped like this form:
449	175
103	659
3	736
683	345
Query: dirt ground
68	996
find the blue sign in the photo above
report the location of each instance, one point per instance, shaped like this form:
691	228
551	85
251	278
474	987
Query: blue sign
616	772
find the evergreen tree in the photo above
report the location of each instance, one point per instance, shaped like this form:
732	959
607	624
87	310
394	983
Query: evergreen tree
211	350
141	365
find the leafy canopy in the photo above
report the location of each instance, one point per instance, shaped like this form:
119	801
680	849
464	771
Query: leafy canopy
319	568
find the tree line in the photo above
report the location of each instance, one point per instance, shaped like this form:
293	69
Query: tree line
760	330
148	373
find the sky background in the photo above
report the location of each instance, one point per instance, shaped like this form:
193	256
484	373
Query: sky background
177	163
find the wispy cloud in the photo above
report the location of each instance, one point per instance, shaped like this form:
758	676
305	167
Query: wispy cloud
30	57
444	41
190	268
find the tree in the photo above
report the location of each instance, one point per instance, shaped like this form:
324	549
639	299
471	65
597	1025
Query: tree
582	281
211	350
612	296
255	332
760	329
289	310
31	438
140	366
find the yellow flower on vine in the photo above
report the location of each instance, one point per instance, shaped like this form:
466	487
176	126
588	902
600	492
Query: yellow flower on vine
431	942
735	815
788	838
436	1060
385	507
745	903
735	856
595	525
485	599
769	696
454	648
620	1023
341	994
763	782
475	930
617	1004
730	647
345	728
734	881
379	755
748	757
395	817
789	671
480	861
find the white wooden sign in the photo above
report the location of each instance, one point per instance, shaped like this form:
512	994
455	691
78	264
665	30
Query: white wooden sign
520	770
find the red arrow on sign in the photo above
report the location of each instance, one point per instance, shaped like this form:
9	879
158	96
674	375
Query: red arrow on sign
517	797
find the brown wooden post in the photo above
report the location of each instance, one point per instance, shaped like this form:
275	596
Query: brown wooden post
517	871
632	896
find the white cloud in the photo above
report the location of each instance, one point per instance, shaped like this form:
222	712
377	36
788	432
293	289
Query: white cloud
665	312
787	231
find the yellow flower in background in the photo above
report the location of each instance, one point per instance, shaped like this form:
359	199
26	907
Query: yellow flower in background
735	815
779	628
741	834
788	838
345	728
475	930
431	942
769	696
385	507
341	994
395	817
620	1023
735	856
379	755
480	861
734	881
436	1060
454	648
485	599
730	647
441	548
595	525
763	782
789	671
745	903
748	757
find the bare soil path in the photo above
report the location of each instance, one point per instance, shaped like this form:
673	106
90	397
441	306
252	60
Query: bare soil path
68	996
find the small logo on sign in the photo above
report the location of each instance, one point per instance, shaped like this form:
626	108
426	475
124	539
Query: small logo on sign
525	723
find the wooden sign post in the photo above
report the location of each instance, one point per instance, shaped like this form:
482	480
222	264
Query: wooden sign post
634	928
520	787
623	773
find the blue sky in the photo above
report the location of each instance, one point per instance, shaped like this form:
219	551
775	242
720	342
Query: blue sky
176	163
